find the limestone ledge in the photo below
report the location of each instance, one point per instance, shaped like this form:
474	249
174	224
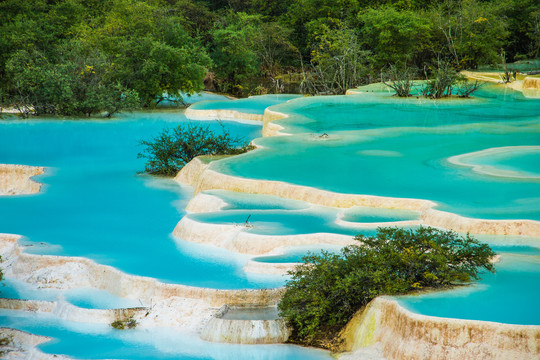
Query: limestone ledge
70	312
234	237
221	114
257	267
23	346
269	127
405	335
203	203
60	272
16	179
201	178
463	224
531	87
246	331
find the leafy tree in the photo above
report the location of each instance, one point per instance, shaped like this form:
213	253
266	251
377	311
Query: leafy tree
152	53
171	150
234	56
400	79
395	36
444	80
77	84
326	291
337	62
470	32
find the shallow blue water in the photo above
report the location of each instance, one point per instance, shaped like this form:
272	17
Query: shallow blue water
271	215
509	296
379	145
521	161
251	105
95	205
308	221
94	341
295	254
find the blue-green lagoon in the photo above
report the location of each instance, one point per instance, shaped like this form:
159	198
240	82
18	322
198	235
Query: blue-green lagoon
95	205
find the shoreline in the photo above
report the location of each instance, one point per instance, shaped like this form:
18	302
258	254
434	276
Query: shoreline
202	178
405	335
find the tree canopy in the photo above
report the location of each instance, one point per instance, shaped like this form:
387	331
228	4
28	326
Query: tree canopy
172	149
325	292
116	55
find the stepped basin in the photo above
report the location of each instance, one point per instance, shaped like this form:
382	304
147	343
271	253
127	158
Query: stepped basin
88	298
246	325
271	215
280	222
101	341
508	296
516	162
93	203
295	254
368	152
251	105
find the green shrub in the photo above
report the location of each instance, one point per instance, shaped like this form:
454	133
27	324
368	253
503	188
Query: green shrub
127	323
118	324
170	151
326	291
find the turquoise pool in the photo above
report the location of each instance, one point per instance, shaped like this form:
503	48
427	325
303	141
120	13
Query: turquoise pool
250	105
91	341
509	296
380	145
95	205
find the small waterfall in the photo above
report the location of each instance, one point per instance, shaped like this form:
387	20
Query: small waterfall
239	329
63	309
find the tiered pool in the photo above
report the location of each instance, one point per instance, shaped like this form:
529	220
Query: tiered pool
95	205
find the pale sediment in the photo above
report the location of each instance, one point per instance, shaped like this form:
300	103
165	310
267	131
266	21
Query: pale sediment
70	312
221	114
235	238
246	331
270	128
467	160
16	179
405	335
23	346
201	177
531	87
463	224
258	267
203	203
373	225
181	306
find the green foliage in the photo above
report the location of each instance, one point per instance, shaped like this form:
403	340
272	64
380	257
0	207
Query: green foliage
395	36
471	31
148	48
326	291
400	79
129	323
134	51
234	54
444	80
77	84
171	150
337	64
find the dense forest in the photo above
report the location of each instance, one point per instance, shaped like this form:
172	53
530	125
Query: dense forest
86	57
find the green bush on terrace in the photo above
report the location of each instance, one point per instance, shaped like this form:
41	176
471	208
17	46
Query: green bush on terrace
170	151
326	291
